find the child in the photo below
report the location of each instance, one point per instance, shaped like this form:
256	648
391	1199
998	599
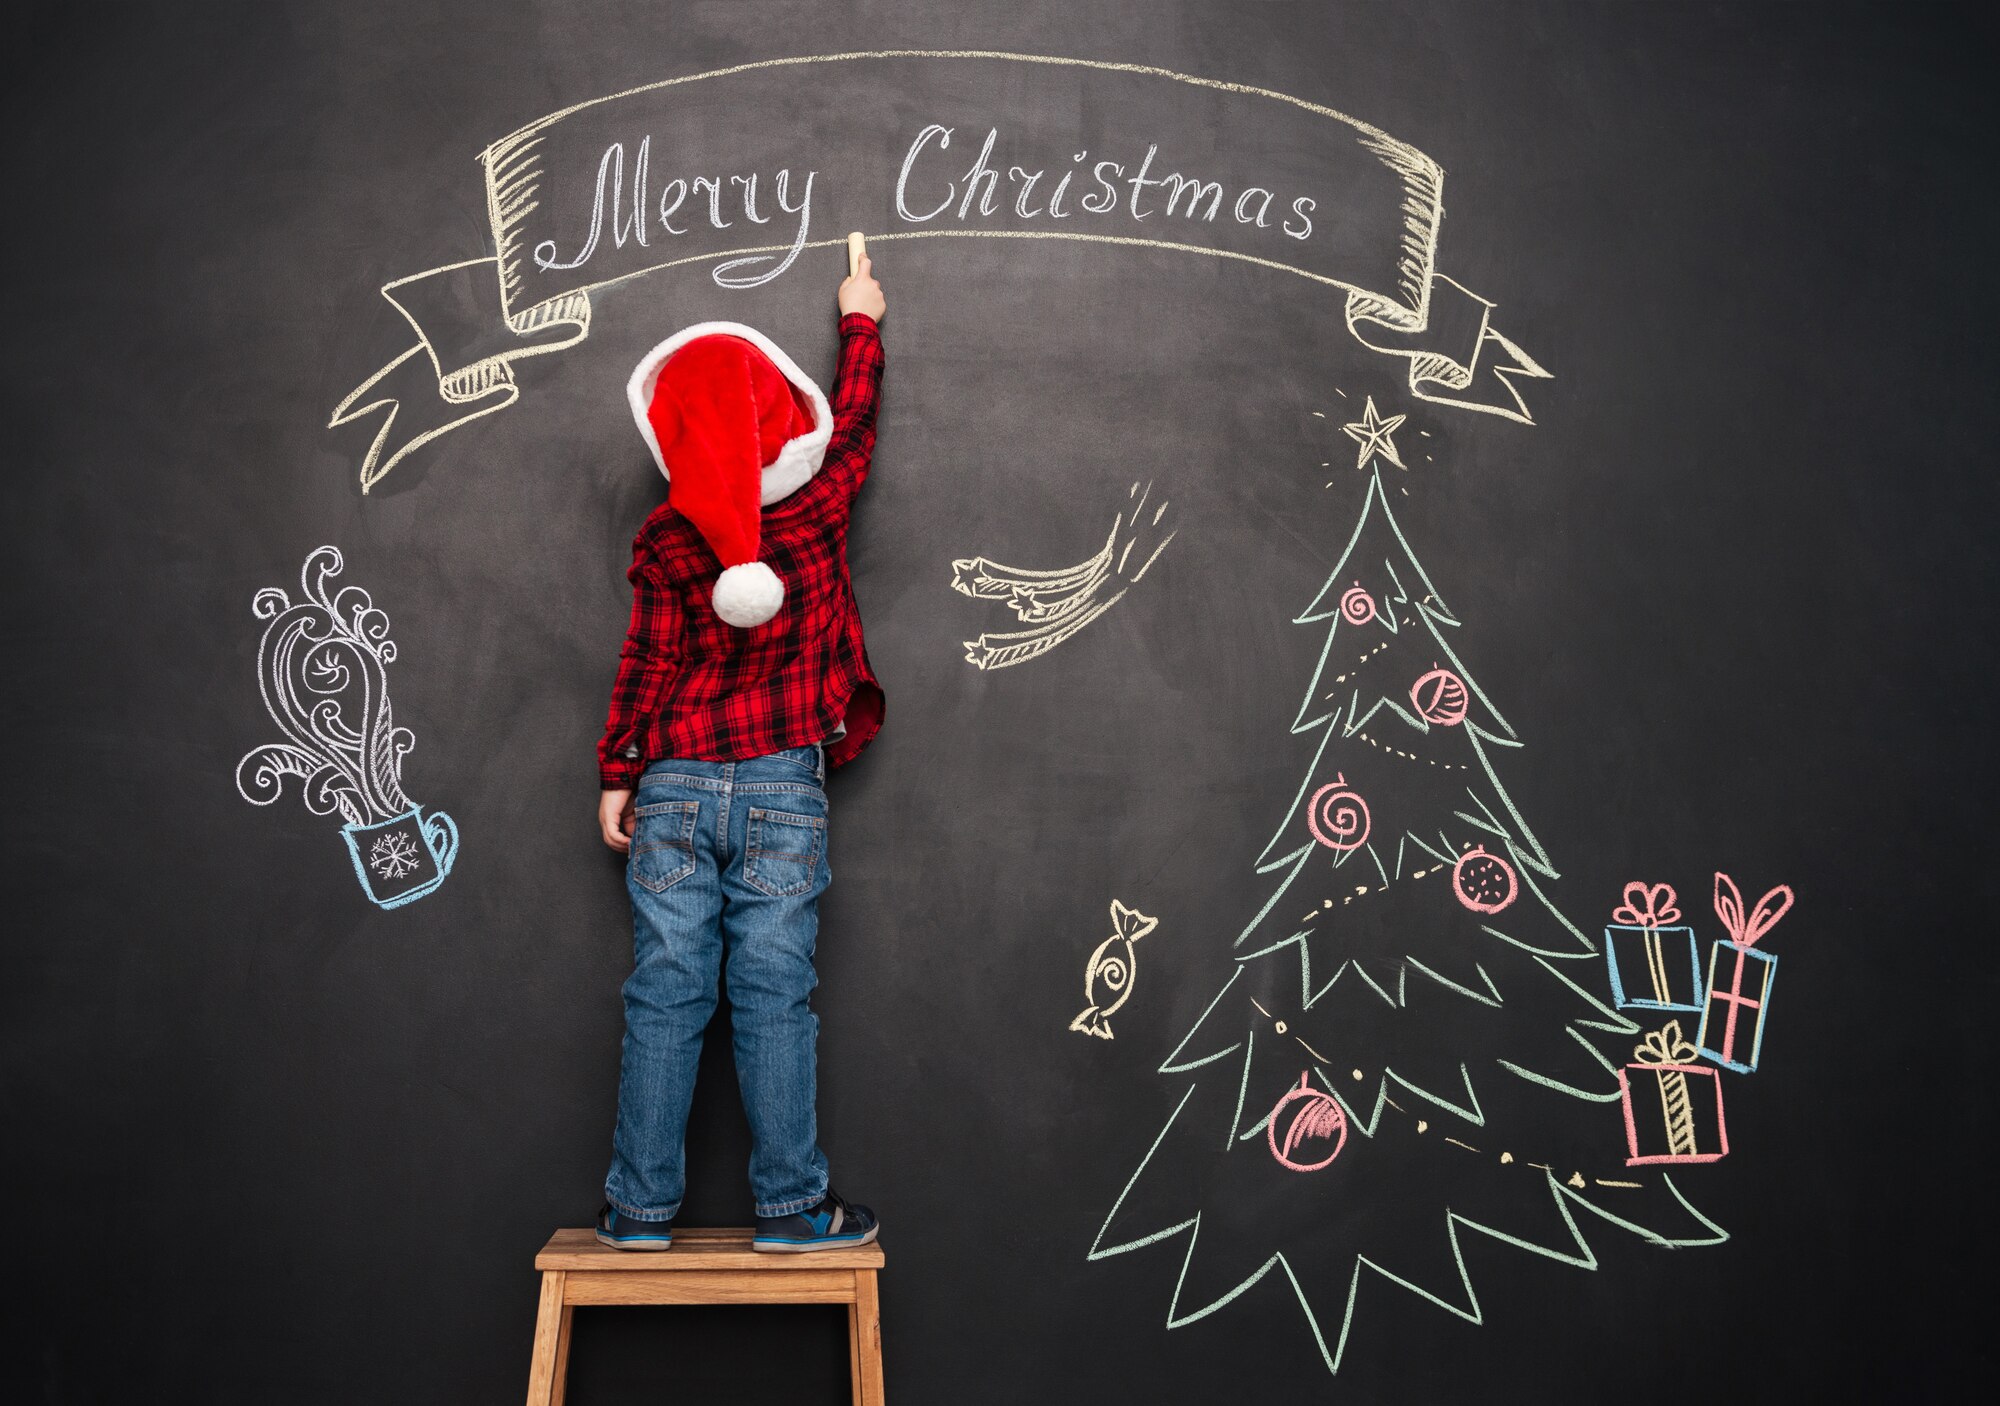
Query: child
742	679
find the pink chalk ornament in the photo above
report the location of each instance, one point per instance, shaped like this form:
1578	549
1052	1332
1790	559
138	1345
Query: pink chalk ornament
1484	882
1305	1112
1440	698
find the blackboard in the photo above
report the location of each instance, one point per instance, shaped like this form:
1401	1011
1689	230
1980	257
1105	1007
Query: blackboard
1245	969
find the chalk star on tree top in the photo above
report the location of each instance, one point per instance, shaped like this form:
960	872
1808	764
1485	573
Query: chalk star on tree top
1372	433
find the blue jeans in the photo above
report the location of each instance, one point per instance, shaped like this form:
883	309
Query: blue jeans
728	862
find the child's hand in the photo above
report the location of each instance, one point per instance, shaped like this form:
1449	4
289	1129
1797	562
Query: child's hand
860	293
616	819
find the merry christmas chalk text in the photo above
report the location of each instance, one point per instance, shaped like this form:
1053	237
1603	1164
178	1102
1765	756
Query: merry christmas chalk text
968	196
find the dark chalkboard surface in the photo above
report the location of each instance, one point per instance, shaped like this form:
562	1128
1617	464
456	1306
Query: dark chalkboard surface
1418	554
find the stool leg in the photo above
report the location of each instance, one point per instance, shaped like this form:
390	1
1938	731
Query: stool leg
550	1320
562	1358
868	1327
854	1347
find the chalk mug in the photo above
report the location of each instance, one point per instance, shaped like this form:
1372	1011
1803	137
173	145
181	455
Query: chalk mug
403	858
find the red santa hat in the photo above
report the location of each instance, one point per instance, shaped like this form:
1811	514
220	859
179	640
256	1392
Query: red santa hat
734	425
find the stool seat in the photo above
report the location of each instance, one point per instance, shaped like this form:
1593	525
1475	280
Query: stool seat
695	1247
713	1265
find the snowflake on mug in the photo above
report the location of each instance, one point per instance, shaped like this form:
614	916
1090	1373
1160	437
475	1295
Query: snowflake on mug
393	855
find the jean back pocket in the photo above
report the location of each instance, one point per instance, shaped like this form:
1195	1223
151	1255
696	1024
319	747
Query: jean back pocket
663	843
781	851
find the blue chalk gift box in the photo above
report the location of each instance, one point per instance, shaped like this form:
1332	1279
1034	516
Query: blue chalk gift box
1653	969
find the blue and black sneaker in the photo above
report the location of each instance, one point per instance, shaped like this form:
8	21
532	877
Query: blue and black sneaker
831	1225
623	1232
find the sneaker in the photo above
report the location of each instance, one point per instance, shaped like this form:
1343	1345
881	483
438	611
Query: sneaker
623	1232
831	1225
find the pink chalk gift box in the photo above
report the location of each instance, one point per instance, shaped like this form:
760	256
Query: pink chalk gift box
1740	977
1673	1109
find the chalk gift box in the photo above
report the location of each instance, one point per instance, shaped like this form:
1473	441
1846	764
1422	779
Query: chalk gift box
1673	1109
1740	977
403	858
1654	967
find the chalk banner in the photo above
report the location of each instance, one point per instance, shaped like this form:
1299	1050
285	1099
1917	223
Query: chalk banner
741	169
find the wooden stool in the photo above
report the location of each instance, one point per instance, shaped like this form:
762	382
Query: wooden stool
706	1265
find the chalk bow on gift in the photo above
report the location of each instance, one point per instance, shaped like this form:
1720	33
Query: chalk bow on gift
1647	907
1744	930
1664	1046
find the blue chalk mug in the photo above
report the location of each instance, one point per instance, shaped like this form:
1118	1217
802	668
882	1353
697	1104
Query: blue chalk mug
401	859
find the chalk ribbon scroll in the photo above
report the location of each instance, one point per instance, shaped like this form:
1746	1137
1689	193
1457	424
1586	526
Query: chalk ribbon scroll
612	188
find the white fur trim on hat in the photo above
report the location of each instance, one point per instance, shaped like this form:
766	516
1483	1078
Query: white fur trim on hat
801	456
748	595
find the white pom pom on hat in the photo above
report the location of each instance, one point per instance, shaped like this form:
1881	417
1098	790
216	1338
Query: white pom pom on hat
748	594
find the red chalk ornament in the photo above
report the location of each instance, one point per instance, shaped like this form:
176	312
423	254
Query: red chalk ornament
1338	818
1440	698
1484	882
1357	607
1304	1113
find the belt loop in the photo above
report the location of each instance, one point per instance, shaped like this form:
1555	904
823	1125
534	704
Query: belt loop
819	757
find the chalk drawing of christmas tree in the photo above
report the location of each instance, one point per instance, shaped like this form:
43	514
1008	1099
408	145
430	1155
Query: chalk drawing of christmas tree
1409	1049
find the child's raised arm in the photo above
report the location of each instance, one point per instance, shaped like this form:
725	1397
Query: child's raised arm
857	379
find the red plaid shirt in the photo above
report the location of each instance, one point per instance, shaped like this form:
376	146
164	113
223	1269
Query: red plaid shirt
691	685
